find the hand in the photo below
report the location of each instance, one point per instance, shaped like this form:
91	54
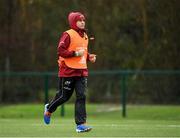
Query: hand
92	58
79	53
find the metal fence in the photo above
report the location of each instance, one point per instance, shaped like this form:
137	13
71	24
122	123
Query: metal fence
110	86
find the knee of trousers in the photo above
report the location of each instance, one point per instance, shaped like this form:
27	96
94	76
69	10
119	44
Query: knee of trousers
61	98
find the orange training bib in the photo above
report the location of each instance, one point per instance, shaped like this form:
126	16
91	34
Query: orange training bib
77	43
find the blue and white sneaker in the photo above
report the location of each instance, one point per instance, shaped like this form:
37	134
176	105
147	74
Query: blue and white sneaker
82	128
47	115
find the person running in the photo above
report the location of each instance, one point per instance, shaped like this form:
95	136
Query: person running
73	72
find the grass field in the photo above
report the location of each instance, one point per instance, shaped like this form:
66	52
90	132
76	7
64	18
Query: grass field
106	120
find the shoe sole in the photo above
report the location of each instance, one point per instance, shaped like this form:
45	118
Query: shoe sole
81	131
45	109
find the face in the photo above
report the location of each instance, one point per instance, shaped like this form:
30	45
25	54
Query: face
80	24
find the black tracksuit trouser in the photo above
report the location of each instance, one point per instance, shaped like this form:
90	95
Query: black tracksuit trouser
66	87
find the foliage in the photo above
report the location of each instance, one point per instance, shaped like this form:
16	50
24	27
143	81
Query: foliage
129	34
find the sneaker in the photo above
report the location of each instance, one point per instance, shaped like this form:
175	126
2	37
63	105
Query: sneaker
82	128
47	115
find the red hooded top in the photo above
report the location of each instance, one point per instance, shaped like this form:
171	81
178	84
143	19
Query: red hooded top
64	42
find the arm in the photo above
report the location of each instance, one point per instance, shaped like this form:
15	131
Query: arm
63	46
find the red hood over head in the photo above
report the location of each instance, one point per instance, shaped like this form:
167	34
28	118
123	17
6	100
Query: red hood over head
73	18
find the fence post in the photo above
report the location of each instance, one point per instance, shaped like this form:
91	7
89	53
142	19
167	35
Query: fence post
46	88
62	110
123	94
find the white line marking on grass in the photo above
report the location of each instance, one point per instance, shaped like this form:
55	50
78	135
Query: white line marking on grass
89	137
109	109
117	125
173	126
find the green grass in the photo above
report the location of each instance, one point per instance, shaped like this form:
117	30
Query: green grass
106	120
